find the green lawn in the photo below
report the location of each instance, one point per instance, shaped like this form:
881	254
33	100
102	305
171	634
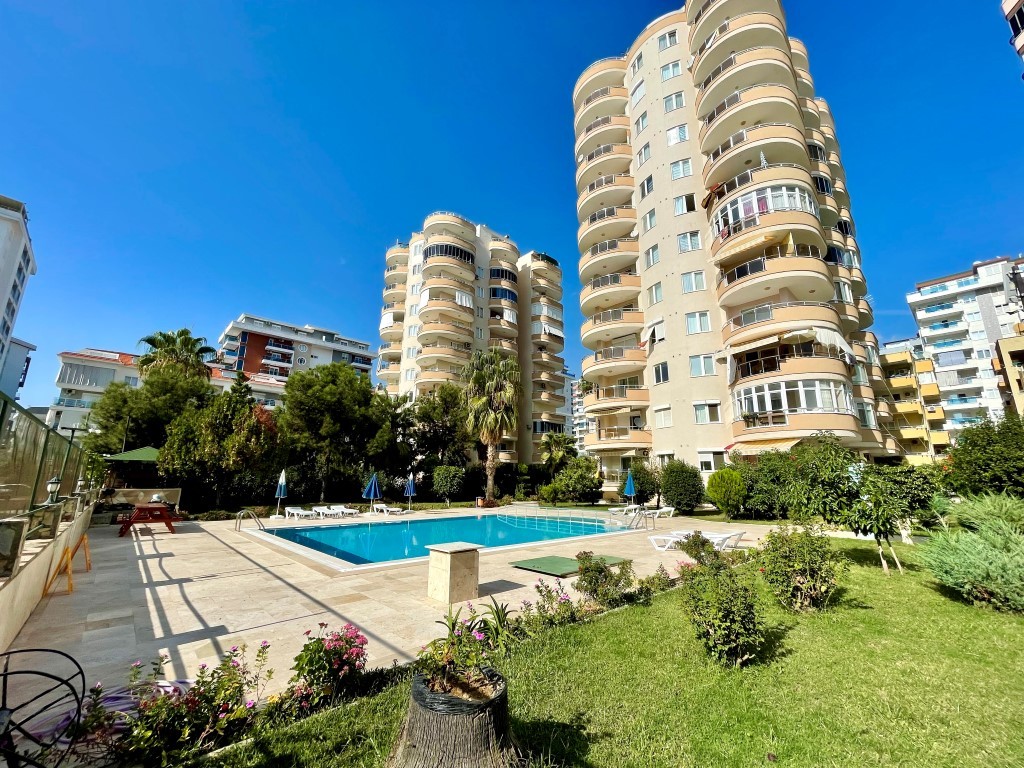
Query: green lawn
896	674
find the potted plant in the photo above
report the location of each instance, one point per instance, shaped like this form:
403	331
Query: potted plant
750	419
459	708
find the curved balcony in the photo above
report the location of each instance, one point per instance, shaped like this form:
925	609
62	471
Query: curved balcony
605	192
446	221
505	345
831	142
549	360
388	371
503	250
866	313
825	111
432	375
771	319
804	82
437	354
799	52
609	290
546	287
859	283
542	265
437	266
499	282
784	142
795	423
452	283
849	317
809	108
750	30
397	254
609	71
438	309
828	209
807	277
757	231
556	380
608	399
389	351
611	324
742	70
498	305
768	103
835	165
827	365
393	292
396	273
883	410
706	15
550	341
617	255
606	101
392	332
606	160
606	224
544	397
790	174
611	129
392	389
444	329
839	190
502	328
614	361
617	439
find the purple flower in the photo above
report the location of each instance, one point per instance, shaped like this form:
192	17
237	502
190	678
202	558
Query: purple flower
250	704
478	635
234	649
136	663
264	644
202	666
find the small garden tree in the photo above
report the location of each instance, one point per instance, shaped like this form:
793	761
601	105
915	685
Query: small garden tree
767	480
448	482
824	485
556	450
989	457
682	486
645	482
578	482
876	512
727	491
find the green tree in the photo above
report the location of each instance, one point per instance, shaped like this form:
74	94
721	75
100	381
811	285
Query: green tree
645	482
492	399
327	420
682	486
727	490
448	482
176	349
390	449
825	484
876	511
579	481
556	450
767	481
440	433
989	457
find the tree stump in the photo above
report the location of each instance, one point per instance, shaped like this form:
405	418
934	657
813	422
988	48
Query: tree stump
443	731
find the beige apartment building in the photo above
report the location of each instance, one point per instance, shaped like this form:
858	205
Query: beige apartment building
724	300
456	287
1013	10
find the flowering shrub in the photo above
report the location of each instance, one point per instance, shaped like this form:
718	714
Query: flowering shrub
327	664
801	568
553	607
458	658
604	584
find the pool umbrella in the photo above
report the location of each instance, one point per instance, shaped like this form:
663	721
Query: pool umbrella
281	492
410	490
630	489
372	491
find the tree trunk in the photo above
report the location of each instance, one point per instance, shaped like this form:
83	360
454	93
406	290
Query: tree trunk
491	466
881	556
447	732
893	553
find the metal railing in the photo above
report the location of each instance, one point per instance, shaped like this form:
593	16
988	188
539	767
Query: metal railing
613	353
605	181
606	213
599	93
609	245
612	279
617	391
759	264
773	363
611	315
70	402
739	321
733	99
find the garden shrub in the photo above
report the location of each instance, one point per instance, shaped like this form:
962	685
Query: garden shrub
824	483
645	482
977	510
727	491
988	457
578	481
328	662
985	566
681	486
724	613
448	482
550	493
606	585
553	607
699	549
767	481
909	490
801	568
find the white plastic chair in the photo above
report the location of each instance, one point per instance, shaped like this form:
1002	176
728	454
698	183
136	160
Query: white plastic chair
386	510
340	510
298	512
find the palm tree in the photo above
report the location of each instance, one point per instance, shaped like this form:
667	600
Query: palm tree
176	348
492	399
557	448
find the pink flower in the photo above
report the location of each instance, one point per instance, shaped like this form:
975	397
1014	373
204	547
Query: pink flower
478	635
264	644
307	632
136	663
250	704
234	649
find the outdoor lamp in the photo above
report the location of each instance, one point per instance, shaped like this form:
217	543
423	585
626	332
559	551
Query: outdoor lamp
80	486
52	486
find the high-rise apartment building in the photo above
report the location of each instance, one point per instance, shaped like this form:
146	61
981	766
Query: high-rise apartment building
909	406
580	423
14	369
82	378
722	287
960	319
456	287
268	348
17	265
1013	10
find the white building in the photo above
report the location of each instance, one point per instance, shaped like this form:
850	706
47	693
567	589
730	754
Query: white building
580	423
266	390
15	366
83	377
17	264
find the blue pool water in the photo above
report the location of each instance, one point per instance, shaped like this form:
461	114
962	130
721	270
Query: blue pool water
378	542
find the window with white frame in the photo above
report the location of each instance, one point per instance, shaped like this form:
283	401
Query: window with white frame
646	187
648	221
414	309
663	416
410	353
479	311
414	330
823	185
843	292
709	461
480	333
693	281
670	70
866	414
637	64
702	365
698	322
641	122
643	155
639	91
665	458
816	152
654	294
681	169
667	40
689	241
684	204
674	101
656	333
760	202
860	374
415	289
661	373
677	134
417	250
709	412
417	268
651	256
410	374
802	396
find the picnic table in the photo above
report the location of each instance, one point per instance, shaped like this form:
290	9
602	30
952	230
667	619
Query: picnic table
150	513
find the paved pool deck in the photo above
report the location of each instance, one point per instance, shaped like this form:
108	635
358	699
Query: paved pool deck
196	593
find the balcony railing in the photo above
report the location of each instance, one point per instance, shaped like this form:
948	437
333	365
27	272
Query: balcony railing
611	315
284	345
70	402
609	245
766	312
613	353
604	181
606	280
605	213
595	95
617	392
760	264
619	433
773	363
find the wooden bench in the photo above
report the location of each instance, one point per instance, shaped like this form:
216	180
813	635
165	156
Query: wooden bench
150	513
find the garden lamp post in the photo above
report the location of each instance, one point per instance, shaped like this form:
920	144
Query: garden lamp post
52	486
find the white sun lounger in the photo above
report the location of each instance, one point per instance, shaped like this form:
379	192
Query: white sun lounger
628	510
299	512
720	541
340	510
386	510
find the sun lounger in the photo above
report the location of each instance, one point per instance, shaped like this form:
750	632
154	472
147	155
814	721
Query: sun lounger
325	511
386	510
720	541
299	512
628	510
340	510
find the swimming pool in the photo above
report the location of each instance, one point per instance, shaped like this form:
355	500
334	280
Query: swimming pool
378	542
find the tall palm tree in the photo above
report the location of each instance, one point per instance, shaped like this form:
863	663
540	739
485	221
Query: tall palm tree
492	399
557	448
176	348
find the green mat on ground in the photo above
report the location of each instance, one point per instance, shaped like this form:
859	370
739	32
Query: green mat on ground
559	566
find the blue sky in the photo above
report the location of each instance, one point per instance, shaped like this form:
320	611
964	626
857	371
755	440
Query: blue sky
186	162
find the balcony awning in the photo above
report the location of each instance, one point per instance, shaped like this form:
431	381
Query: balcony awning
768	340
824	336
755	447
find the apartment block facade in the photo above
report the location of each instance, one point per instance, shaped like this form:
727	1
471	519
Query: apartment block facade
81	380
1013	10
960	319
910	408
456	287
580	423
723	293
14	369
17	265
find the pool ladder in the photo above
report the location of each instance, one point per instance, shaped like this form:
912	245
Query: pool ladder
242	514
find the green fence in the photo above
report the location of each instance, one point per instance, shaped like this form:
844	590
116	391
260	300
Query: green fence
31	455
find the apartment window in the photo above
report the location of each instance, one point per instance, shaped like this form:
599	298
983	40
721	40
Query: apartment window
417	268
479	311
651	256
972	317
678	133
417	250
480	291
639	91
414	310
656	334
415	288
646	187
860	374
685	204
643	155
414	331
641	122
866	414
693	281
707	413
410	374
689	241
663	417
845	227
709	461
131	381
983	354
979	335
10	309
637	64
823	185
661	373
410	353
682	168
21	274
674	101
670	70
667	40
16	293
648	221
698	322
654	294
843	292
480	333
502	293
817	152
702	365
